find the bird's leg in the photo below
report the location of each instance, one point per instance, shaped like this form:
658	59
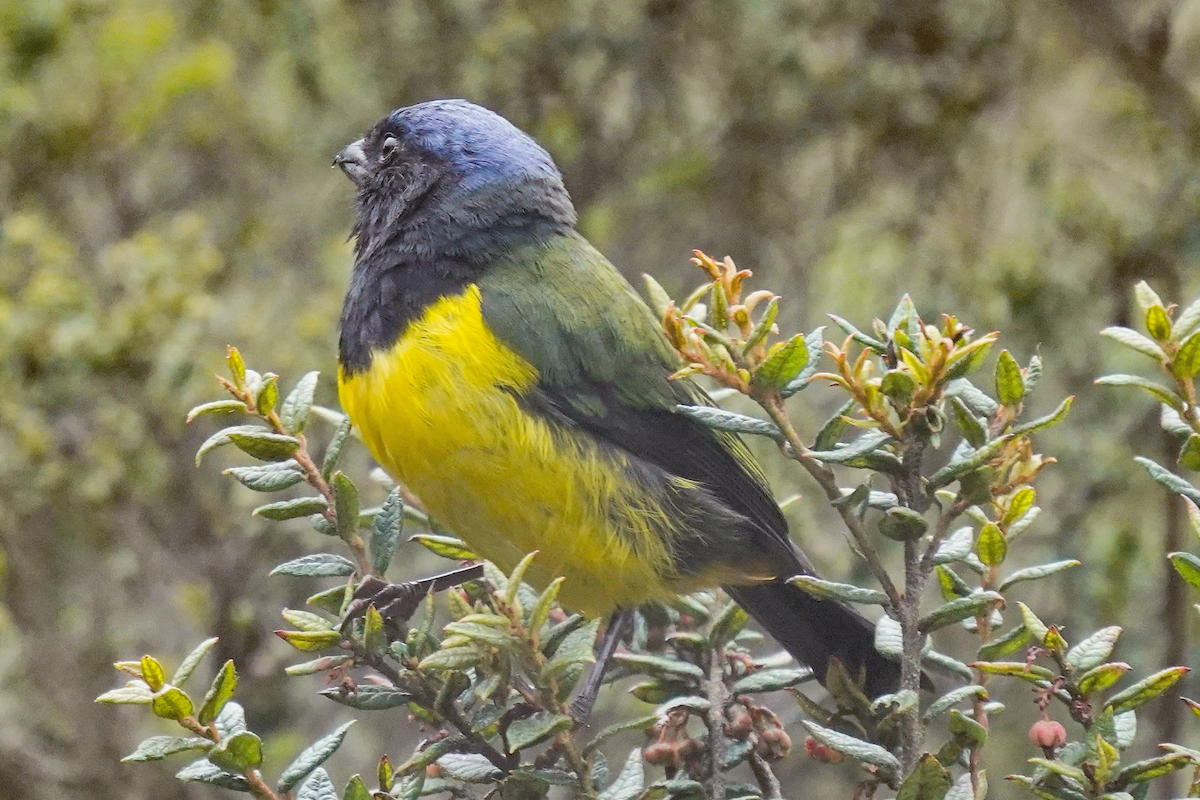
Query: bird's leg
619	626
396	602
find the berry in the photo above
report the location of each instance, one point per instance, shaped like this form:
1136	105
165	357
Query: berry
1048	734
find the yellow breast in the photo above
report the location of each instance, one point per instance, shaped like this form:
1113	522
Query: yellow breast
441	412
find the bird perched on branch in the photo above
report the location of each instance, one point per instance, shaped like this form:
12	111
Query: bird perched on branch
499	366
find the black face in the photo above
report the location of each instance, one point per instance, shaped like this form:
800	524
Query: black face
393	177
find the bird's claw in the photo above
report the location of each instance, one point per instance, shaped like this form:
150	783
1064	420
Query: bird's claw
395	602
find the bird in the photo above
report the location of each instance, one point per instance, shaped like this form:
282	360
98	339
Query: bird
503	370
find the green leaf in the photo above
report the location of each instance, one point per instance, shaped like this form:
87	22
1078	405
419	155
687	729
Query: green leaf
1015	669
231	719
905	314
334	451
345	503
223	437
929	780
294	411
898	385
1102	677
578	647
953	698
865	752
386	531
638	723
315	565
966	731
832	430
1169	479
310	641
317	787
321	664
950	584
237	367
992	547
1187	359
1158	323
153	673
630	782
452	658
814	343
1010	384
659	665
171	703
356	790
888	637
1135	341
469	768
1161	392
238	753
1187	321
838	591
219	693
266	446
1145	296
306	620
189	664
268	395
1037	629
784	363
445	546
487	635
216	407
732	621
971	606
722	420
536	728
968	463
1016	639
974	397
1034	573
859	336
367	697
656	295
1094	650
903	524
311	758
541	609
333	599
268	477
157	748
974	429
866	443
1189	454
771	680
291	509
1145	690
1142	771
955	547
1188	567
204	771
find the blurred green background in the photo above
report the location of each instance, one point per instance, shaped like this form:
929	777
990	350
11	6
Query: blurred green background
165	190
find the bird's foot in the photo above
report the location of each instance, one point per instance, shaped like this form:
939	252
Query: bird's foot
397	602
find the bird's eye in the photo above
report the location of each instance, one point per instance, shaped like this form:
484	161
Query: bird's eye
390	146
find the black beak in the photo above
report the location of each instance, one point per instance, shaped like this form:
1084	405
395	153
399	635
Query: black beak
353	161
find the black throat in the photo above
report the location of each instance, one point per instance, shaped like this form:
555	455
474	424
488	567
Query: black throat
434	246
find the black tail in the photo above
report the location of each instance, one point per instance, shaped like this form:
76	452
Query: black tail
815	630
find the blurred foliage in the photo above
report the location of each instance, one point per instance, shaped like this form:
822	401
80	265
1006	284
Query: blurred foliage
165	191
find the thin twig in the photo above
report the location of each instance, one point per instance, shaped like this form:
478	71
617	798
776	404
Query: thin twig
718	698
773	405
765	776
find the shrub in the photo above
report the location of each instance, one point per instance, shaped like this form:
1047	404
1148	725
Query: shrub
920	462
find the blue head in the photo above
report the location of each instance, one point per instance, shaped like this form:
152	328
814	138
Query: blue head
450	162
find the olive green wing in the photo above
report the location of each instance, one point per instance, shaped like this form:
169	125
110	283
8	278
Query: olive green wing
603	367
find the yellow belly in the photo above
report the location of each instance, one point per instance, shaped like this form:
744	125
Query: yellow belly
439	411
